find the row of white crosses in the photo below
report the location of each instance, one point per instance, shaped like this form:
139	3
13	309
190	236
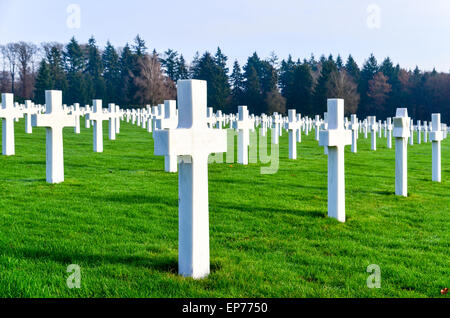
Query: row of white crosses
54	120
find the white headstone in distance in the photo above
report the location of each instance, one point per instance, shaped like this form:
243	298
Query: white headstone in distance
293	126
8	113
28	111
193	141
401	134
98	117
54	119
336	138
419	132
373	131
354	128
243	126
436	137
389	128
112	121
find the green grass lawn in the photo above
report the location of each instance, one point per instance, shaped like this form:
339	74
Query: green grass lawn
116	216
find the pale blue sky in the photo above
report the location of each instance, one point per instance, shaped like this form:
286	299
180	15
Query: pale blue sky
411	31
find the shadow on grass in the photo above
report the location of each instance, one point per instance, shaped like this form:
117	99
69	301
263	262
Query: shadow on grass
139	199
160	263
25	180
266	209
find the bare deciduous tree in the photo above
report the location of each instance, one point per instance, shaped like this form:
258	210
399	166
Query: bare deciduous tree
10	52
341	85
25	55
153	86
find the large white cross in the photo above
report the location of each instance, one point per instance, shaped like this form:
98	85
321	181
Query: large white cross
436	136
293	126
401	133
243	126
98	117
193	141
54	119
336	138
8	113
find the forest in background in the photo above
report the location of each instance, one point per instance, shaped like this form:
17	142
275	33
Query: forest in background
134	76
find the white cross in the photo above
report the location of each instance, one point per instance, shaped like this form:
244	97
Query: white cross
118	117
170	121
411	132
77	113
243	126
219	119
389	127
354	128
8	113
317	127
28	111
425	132
293	126
276	122
210	118
113	116
419	133
336	138
54	119
98	117
373	131
436	136
87	111
193	141
299	131
401	133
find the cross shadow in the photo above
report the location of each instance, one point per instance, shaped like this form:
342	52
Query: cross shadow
160	263
25	180
253	209
139	199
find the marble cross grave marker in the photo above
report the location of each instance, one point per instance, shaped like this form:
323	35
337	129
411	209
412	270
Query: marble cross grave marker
192	141
98	117
336	137
401	134
8	113
243	125
436	136
54	119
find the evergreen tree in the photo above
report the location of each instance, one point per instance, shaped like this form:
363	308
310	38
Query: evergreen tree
169	64
111	74
75	64
56	66
321	89
339	62
221	60
370	68
126	76
182	69
43	82
352	69
237	87
217	80
94	71
139	46
302	89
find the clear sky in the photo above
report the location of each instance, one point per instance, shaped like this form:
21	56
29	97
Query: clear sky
411	32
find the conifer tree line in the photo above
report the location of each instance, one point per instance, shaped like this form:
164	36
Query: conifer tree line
132	76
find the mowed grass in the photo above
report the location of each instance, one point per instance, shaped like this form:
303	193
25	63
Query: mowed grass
116	216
